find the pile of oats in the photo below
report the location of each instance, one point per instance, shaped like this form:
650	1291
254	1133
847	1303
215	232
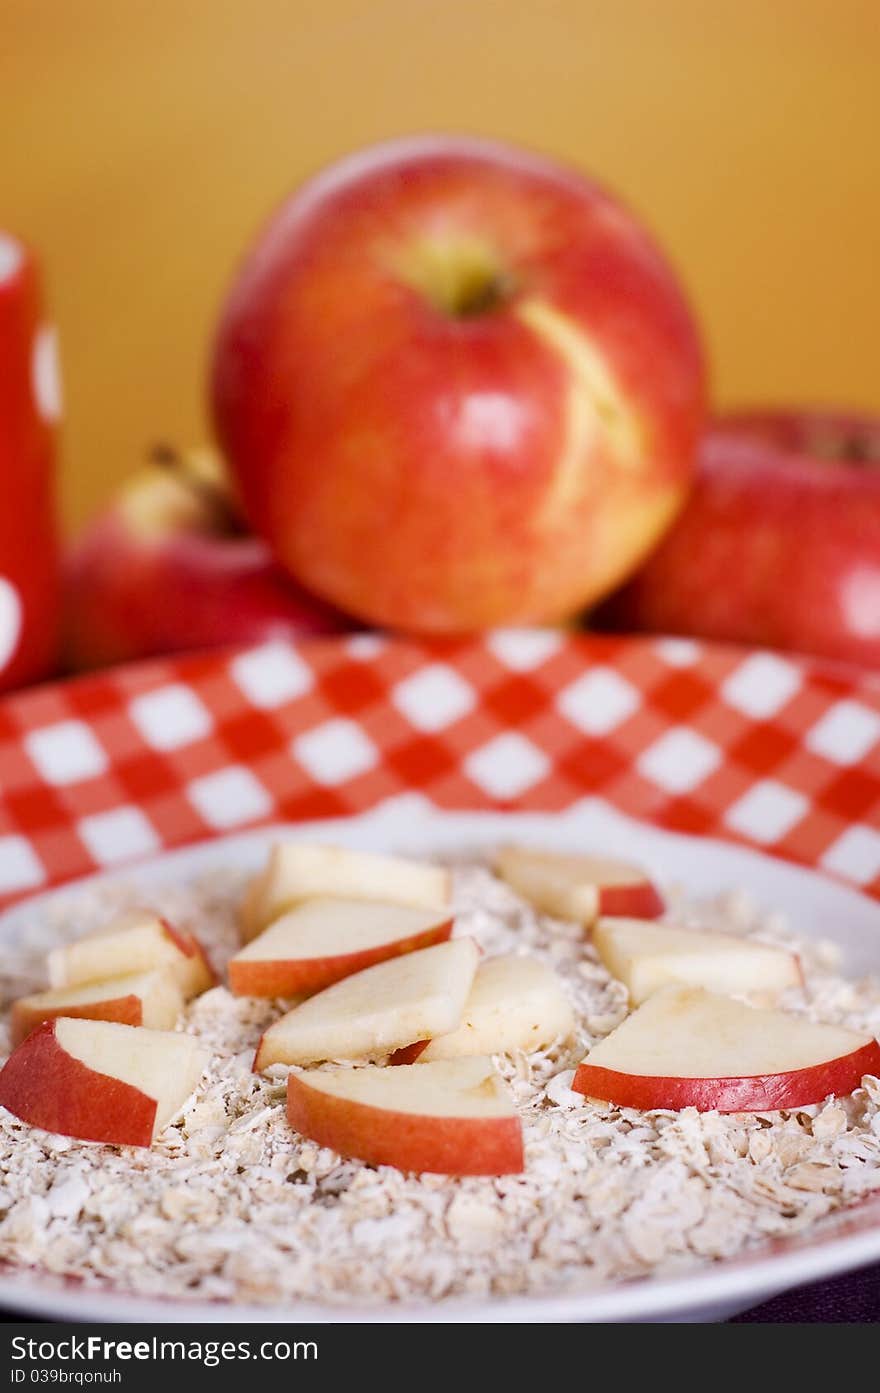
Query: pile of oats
231	1205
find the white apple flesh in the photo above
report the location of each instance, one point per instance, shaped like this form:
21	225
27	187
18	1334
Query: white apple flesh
646	956
100	1081
691	1048
514	1004
378	1010
135	942
151	999
299	871
323	941
453	1117
579	887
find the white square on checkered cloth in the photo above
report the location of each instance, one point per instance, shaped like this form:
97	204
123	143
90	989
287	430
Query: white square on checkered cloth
229	797
767	811
598	701
19	866
171	716
845	734
118	835
524	649
66	752
433	697
855	854
271	674
761	685
679	760
507	765
335	751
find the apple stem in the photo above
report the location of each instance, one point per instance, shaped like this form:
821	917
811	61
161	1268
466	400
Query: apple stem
212	494
853	447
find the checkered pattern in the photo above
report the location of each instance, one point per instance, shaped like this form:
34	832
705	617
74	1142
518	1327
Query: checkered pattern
709	740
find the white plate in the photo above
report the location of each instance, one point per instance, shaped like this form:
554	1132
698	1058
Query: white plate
816	907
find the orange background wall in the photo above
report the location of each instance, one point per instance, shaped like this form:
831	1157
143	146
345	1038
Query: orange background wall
144	140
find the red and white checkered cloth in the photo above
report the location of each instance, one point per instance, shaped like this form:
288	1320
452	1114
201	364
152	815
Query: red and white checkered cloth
704	739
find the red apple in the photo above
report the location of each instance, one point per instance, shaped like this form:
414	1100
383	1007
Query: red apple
579	887
168	567
99	1081
454	1117
378	1010
514	1004
135	942
646	956
779	544
688	1048
29	409
298	871
459	386
323	941
153	999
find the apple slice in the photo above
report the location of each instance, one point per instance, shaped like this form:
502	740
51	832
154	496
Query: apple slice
378	1010
578	887
299	871
100	1081
153	999
689	1048
514	1004
455	1117
322	941
646	956
135	942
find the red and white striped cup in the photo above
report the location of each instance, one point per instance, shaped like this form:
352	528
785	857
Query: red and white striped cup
30	406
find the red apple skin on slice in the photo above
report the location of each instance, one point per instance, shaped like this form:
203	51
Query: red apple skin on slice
153	999
302	871
409	1142
751	1093
579	887
688	1047
638	901
134	942
408	1054
271	977
198	975
115	1113
125	1010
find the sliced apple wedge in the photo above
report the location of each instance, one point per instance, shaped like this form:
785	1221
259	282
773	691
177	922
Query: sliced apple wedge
152	999
578	887
322	941
135	942
454	1117
646	956
100	1081
378	1010
514	1004
299	871
689	1048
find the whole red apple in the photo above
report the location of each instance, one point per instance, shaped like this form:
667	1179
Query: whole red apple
459	386
168	567
779	544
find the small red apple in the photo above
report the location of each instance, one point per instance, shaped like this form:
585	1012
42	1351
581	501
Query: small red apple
169	567
458	385
779	544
